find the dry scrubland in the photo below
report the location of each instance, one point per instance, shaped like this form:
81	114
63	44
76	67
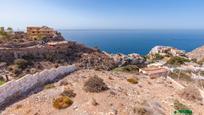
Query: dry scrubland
91	92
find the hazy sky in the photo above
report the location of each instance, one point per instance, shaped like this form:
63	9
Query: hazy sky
103	14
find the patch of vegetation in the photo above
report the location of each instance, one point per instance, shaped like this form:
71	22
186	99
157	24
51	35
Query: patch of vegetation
158	56
62	102
128	69
133	80
21	63
95	84
68	92
2	82
177	60
179	106
49	86
182	75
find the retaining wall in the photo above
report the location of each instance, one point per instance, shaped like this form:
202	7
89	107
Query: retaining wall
16	88
36	51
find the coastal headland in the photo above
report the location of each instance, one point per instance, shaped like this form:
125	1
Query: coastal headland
40	69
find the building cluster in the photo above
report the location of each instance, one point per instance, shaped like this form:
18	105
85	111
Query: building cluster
34	33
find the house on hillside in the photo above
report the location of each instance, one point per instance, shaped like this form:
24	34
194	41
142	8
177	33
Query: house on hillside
155	71
41	32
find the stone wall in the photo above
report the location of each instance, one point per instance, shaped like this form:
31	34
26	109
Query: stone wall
16	88
8	54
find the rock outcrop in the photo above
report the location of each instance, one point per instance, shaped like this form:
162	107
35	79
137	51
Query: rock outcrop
197	54
166	51
130	59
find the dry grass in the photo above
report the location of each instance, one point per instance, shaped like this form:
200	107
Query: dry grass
133	80
128	69
62	102
191	93
142	110
181	75
95	84
49	86
68	92
179	106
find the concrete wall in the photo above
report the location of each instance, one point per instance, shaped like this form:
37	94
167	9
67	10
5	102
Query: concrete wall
16	88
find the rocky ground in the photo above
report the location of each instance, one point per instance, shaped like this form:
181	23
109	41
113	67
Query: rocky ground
119	91
147	96
197	54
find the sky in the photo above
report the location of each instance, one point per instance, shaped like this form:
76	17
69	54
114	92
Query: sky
103	14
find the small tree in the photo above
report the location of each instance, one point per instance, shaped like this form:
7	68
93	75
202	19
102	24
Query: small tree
9	30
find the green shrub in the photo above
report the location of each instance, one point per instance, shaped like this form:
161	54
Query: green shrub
177	60
133	80
62	102
95	84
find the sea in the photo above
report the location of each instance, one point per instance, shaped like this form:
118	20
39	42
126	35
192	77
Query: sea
136	41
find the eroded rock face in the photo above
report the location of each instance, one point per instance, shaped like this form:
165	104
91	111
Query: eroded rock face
197	54
166	51
96	60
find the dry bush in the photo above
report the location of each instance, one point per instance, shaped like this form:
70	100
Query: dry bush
142	110
179	106
133	80
95	84
49	86
68	92
177	61
191	93
21	63
149	108
128	69
62	102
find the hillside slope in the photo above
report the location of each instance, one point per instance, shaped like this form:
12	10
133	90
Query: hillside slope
147	97
197	53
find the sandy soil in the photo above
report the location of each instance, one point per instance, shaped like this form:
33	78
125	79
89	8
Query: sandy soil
120	99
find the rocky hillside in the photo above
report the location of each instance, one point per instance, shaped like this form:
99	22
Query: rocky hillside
197	53
90	92
118	84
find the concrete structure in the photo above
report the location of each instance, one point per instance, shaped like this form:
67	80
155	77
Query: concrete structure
36	32
155	72
14	89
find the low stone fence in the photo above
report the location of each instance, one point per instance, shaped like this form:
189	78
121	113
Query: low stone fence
16	88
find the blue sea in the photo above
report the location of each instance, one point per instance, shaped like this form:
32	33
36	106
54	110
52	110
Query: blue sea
136	41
